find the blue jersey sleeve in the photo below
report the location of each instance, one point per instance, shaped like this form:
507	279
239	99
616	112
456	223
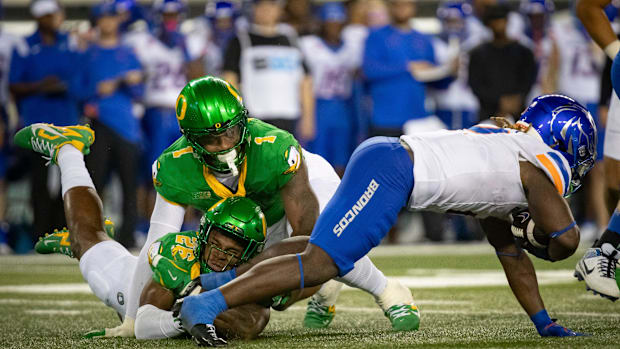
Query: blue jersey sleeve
17	73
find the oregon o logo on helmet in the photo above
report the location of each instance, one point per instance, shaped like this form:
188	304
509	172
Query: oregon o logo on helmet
181	113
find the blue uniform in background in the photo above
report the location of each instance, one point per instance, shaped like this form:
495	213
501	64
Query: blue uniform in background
40	61
396	95
115	110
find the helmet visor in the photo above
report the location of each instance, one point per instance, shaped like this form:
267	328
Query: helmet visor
222	141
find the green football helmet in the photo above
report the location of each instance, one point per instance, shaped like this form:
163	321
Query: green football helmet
209	108
239	218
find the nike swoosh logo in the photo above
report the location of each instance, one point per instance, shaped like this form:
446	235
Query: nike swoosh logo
524	216
175	278
47	129
585	267
46	242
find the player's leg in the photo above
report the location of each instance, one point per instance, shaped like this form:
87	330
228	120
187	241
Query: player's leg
392	297
102	260
598	266
374	190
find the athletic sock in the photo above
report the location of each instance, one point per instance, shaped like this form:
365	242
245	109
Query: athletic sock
105	268
327	295
73	172
612	234
366	276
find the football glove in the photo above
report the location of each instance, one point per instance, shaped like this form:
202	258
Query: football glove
280	302
555	330
205	336
523	229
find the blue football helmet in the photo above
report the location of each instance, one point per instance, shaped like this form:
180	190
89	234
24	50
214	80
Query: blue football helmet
568	127
452	14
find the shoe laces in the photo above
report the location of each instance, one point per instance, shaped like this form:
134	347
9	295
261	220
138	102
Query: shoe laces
43	146
607	267
400	311
316	307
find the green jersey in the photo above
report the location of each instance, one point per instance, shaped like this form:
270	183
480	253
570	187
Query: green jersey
273	157
173	262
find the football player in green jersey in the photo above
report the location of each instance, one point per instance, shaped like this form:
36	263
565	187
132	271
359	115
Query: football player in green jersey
231	233
223	153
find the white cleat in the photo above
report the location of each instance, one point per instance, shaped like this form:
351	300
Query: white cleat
598	269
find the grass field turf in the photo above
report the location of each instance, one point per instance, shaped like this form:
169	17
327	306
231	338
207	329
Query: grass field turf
452	317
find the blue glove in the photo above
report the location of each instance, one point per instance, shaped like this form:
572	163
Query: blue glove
555	330
214	280
202	308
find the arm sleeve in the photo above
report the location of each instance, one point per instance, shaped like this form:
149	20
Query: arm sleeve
166	218
374	65
232	56
154	323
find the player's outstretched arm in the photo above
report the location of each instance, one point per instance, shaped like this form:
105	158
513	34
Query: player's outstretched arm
521	277
550	212
591	14
300	203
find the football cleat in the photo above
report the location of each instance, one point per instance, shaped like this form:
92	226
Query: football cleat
318	315
397	304
598	269
205	336
59	242
46	139
404	317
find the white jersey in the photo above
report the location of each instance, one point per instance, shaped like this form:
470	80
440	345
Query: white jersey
8	42
332	70
476	171
580	69
164	68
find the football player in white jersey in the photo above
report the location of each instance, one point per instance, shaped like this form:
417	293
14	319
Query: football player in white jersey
598	265
526	168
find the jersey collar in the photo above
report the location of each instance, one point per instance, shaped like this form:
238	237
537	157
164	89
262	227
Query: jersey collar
220	189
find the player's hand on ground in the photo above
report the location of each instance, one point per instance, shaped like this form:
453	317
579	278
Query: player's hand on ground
205	336
555	330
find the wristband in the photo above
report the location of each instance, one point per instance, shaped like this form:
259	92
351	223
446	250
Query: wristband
612	49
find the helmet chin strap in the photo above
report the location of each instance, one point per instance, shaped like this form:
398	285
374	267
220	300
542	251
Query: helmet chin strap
229	159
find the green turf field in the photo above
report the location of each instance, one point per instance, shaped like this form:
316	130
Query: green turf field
472	308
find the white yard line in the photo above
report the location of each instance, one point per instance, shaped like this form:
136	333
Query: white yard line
465	312
55	312
64	303
442	278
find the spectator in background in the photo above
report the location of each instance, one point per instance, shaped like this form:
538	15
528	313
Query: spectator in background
580	67
480	33
112	80
297	15
537	18
8	43
212	32
265	62
167	66
397	63
501	72
456	105
377	13
44	83
333	63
